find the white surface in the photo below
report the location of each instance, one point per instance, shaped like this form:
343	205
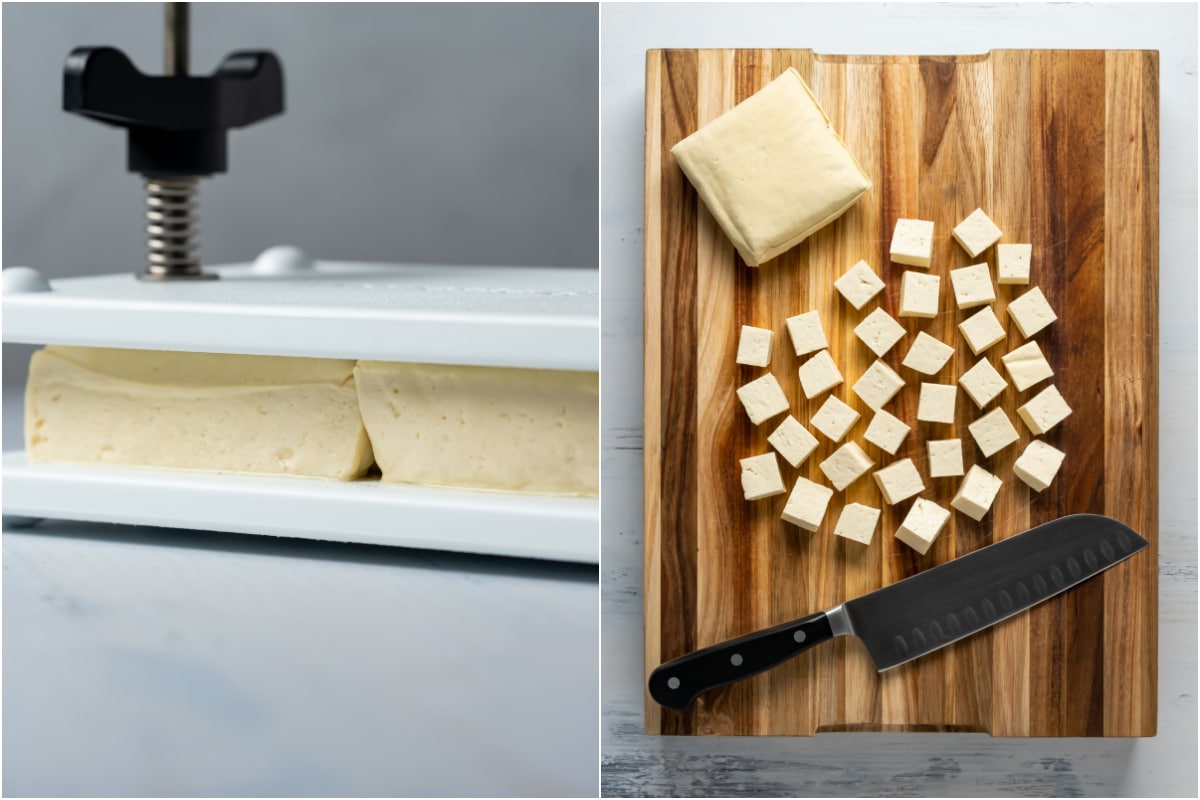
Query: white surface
489	316
892	764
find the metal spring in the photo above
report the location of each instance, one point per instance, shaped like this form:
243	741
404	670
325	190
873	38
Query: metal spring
171	228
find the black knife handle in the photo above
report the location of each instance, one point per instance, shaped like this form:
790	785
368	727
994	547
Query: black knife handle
677	683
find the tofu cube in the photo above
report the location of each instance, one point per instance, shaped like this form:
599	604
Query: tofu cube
1044	411
912	242
859	284
846	465
976	493
922	525
878	385
982	382
879	331
857	523
919	295
763	398
886	432
792	441
806	505
945	458
754	346
927	354
760	477
1012	263
976	233
1038	465
834	418
982	330
936	403
972	286
1026	366
899	481
993	432
1031	312
819	374
807	334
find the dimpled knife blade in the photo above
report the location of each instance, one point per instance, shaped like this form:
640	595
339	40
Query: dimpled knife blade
922	613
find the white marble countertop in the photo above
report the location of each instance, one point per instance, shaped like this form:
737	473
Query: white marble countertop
891	764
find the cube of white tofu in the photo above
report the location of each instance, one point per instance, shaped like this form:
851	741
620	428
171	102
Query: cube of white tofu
879	331
1031	312
927	354
760	477
976	233
859	284
754	346
982	330
1038	465
1044	411
993	431
878	385
972	286
919	295
922	525
846	465
1026	366
807	334
834	418
886	431
945	457
857	523
806	505
982	382
976	493
1012	263
793	441
899	481
763	398
912	242
819	374
936	403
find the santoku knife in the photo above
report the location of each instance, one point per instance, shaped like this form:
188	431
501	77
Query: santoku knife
921	613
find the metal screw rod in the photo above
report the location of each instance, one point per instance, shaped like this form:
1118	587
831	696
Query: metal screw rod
175	43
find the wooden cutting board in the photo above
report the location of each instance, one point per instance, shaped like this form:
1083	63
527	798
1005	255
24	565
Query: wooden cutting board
1060	148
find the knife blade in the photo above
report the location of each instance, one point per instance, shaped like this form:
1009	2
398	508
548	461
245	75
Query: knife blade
922	613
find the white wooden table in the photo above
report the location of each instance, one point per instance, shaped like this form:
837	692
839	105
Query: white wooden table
891	764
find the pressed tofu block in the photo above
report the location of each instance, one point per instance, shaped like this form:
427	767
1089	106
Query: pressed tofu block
976	493
857	523
878	385
793	441
879	332
834	418
976	233
526	430
982	382
936	403
1026	366
771	170
919	295
763	398
927	354
806	333
806	505
1031	312
760	477
972	286
922	525
982	330
886	431
912	242
846	465
819	374
945	457
1044	411
993	431
1038	465
899	481
859	284
754	346
1012	263
195	411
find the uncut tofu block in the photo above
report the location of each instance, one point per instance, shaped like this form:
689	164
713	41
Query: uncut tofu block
1044	411
879	332
857	523
806	332
976	493
763	398
922	525
806	504
945	458
982	330
886	432
899	481
846	465
919	295
1026	366
859	284
524	430
878	385
912	243
754	346
972	286
1031	312
927	354
976	233
982	382
1012	263
1038	465
195	411
771	170
834	418
792	441
993	431
760	477
936	402
819	374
